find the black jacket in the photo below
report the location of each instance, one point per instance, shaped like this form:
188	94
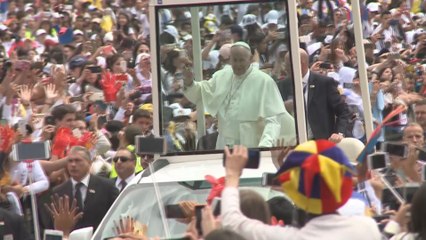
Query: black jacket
101	194
327	111
13	225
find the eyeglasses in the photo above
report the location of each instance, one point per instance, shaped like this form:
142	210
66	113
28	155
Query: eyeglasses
122	159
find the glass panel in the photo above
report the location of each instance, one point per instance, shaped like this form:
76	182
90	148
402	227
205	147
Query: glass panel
145	210
236	96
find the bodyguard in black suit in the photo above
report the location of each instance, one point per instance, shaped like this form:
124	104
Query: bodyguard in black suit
327	113
94	194
125	163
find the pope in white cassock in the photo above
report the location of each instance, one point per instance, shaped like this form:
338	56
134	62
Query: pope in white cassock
246	102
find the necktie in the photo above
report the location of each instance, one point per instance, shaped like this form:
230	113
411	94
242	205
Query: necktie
123	184
78	196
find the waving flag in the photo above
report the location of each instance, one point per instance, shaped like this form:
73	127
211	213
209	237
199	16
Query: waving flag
372	141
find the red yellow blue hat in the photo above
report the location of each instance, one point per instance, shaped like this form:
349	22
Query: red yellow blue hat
317	176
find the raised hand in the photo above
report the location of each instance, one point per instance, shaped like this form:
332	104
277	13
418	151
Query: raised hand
279	153
64	216
129	227
50	91
208	223
25	94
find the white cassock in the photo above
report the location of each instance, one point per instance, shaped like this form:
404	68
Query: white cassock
249	108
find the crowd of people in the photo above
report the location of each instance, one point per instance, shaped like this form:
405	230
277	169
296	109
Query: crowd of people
79	74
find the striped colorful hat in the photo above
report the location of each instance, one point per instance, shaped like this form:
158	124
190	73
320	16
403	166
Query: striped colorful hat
317	176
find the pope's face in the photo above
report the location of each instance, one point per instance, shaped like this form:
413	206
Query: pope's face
240	60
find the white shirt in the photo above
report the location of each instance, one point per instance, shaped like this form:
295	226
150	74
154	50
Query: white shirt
305	81
327	227
118	181
83	188
20	175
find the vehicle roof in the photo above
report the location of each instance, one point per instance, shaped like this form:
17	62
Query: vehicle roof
197	170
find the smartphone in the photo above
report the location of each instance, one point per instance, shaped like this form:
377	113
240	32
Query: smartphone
97	96
348	85
325	65
22	65
95	69
421	156
393	22
49	120
174	211
123	65
31	151
281	33
216	206
394	56
378	160
268	179
253	161
395	149
423	172
198	219
150	145
22	127
53	234
76	99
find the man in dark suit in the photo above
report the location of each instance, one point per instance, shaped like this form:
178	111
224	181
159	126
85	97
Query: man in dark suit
94	194
327	113
14	226
125	163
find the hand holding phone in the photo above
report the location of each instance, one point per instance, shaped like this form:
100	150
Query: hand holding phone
199	218
378	160
396	149
253	158
174	211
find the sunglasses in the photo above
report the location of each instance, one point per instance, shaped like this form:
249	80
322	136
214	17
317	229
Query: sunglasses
122	159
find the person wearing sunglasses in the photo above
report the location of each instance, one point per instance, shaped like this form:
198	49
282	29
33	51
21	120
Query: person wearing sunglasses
125	162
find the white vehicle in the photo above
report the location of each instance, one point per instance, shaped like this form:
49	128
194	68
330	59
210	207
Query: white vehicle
177	181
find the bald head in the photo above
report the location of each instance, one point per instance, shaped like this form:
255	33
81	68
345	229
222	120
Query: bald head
304	61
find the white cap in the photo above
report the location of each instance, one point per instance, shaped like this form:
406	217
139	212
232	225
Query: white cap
373	7
352	147
182	112
77	32
272	17
172	31
248	19
109	37
40	32
142	56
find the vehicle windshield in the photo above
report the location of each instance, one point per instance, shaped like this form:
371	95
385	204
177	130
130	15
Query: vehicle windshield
139	201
